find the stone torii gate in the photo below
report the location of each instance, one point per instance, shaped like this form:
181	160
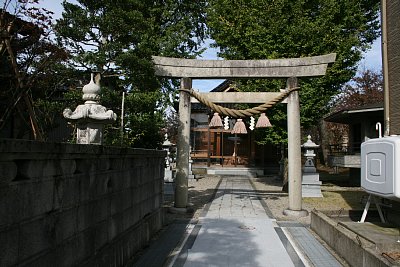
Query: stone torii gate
291	69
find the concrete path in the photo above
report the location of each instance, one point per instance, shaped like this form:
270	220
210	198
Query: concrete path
236	231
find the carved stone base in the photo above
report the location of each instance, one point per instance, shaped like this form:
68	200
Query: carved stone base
91	133
311	185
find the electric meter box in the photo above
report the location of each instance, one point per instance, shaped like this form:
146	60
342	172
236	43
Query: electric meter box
380	167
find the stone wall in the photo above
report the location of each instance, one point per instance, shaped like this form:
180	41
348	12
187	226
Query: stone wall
86	205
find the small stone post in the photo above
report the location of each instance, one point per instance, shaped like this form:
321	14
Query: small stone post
183	147
294	152
90	117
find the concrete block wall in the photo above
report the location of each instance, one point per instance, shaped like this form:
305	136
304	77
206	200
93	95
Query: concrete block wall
68	204
354	249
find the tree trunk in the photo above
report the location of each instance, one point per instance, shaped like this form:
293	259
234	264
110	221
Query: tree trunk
324	142
285	186
23	94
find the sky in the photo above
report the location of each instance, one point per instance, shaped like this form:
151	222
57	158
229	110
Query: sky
372	59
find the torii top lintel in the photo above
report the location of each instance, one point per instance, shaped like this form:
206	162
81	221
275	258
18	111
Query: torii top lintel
266	68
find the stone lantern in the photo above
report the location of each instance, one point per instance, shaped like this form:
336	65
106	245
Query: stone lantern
90	117
311	185
168	175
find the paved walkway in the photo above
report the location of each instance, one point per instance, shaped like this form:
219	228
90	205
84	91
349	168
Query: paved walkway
236	231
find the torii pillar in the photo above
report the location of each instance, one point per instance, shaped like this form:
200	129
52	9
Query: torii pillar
294	153
183	146
228	69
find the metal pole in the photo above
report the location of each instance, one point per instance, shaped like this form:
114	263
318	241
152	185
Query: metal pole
235	150
122	117
222	148
183	146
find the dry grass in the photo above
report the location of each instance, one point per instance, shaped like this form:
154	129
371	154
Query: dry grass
336	198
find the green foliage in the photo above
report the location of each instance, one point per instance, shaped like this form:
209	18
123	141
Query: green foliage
260	29
47	113
143	129
118	38
122	37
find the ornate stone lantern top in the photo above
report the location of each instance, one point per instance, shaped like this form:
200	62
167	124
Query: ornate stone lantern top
310	143
166	143
91	92
91	116
309	146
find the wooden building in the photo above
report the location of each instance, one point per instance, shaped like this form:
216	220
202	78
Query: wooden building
217	146
362	126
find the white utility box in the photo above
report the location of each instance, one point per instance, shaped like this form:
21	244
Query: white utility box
380	167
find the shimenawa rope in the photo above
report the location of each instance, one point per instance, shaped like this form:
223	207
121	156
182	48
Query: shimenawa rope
236	113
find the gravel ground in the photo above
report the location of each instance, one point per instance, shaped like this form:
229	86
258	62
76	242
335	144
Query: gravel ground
201	191
269	188
335	198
